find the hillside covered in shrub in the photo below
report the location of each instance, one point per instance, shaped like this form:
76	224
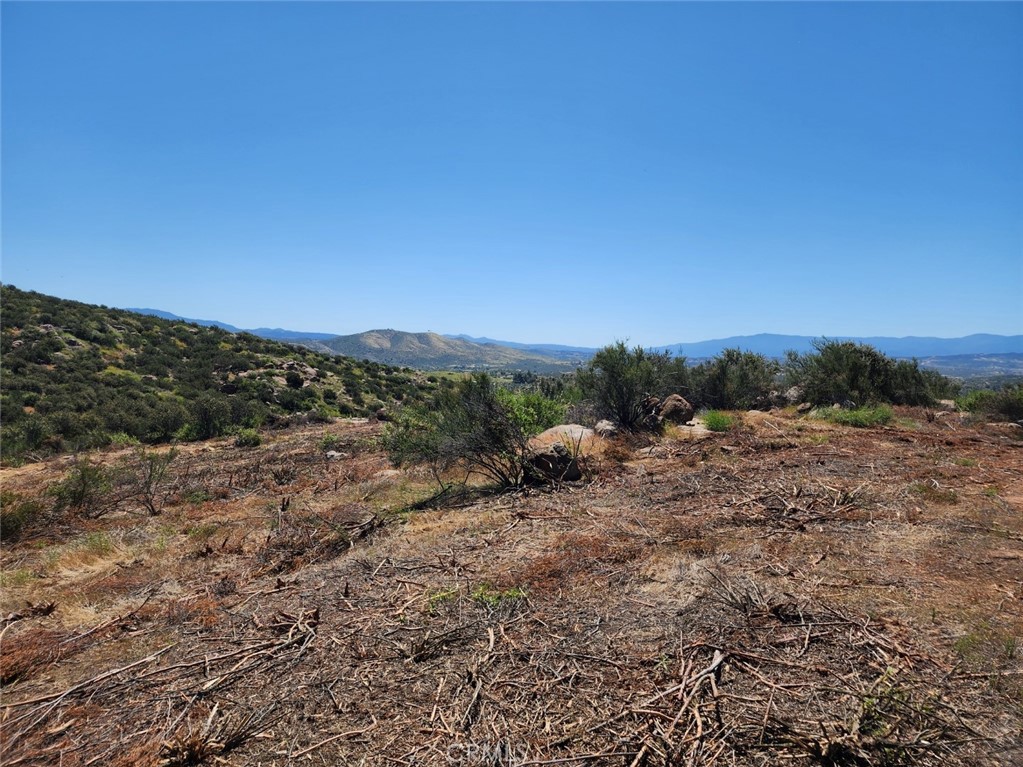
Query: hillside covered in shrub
76	376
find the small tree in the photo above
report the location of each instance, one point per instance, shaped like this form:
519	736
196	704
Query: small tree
211	415
837	371
736	380
87	489
475	426
619	380
148	474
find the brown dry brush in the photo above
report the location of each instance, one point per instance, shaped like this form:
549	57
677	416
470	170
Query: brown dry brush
170	708
300	538
402	662
30	648
744	678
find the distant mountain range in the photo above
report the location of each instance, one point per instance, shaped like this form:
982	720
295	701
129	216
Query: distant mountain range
431	351
274	334
773	345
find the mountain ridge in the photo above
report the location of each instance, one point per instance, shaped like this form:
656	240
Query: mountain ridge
274	334
432	350
776	344
426	350
771	344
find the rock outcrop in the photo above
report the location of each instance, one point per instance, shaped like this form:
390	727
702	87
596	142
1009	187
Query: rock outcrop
553	463
675	409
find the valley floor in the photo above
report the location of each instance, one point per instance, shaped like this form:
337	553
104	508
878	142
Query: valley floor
791	592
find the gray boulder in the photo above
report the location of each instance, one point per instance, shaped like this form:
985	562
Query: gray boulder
793	395
606	429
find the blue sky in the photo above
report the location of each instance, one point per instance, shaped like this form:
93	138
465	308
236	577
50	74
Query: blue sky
572	172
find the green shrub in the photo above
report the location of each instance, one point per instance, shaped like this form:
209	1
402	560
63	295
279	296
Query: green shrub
489	596
1009	403
211	415
330	442
532	412
1005	404
145	477
977	401
735	380
473	425
842	371
247	438
862	417
86	489
619	381
715	420
198	496
120	439
17	514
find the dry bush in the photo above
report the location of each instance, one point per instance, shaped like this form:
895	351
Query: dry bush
618	450
199	740
24	655
573	554
19	515
687	535
303	538
193	610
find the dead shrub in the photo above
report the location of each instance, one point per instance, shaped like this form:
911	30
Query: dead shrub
31	651
202	611
617	451
125	580
196	742
574	554
305	538
687	535
19	515
677	528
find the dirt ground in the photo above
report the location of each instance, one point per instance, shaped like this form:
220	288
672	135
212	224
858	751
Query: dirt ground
790	592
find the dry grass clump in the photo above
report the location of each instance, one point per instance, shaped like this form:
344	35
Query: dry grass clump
573	555
206	737
27	653
301	538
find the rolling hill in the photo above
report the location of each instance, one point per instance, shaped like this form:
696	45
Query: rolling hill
436	352
77	376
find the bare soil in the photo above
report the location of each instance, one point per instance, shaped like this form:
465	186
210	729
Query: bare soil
790	592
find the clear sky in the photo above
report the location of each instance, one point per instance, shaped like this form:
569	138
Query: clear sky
570	172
